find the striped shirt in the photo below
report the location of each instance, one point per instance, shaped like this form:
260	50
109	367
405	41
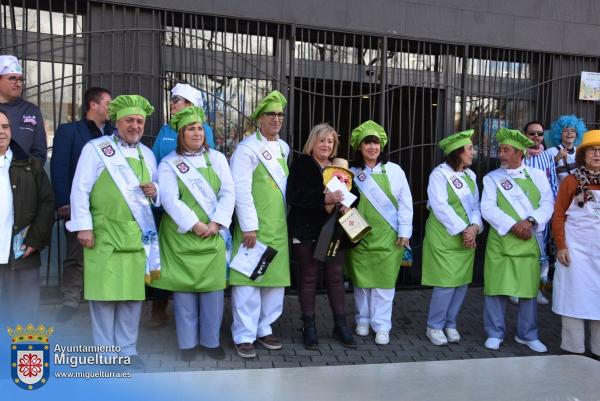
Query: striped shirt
545	162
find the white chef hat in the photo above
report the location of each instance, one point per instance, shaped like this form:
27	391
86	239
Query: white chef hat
10	65
189	93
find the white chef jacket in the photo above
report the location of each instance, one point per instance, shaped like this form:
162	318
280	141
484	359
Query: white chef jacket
183	216
501	221
89	168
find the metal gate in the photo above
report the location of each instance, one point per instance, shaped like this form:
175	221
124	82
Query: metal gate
419	91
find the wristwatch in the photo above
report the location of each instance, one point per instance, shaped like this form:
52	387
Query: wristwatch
532	221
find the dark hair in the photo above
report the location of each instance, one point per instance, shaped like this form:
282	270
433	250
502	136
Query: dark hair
6	115
531	123
180	149
453	158
93	94
358	159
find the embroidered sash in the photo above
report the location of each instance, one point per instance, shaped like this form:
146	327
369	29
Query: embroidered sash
129	185
468	199
268	160
376	196
201	190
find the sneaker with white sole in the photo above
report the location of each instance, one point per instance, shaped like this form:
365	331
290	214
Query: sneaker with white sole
493	343
437	337
362	329
452	335
382	338
535	345
541	299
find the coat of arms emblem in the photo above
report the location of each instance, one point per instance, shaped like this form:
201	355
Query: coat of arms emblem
30	355
182	167
108	150
266	155
457	183
506	184
361	177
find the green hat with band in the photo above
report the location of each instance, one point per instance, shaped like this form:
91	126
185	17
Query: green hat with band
456	141
514	138
368	128
188	115
273	102
127	105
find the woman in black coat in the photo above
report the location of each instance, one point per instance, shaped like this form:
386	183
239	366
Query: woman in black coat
309	213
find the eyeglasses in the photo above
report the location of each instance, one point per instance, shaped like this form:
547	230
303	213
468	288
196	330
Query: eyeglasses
593	150
175	99
14	79
538	133
272	115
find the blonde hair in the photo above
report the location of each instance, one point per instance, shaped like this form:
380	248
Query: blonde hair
317	133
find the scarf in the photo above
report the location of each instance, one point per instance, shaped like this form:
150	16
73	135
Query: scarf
531	152
584	178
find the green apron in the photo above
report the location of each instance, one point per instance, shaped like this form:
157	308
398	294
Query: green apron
190	263
512	266
375	262
272	222
114	269
446	262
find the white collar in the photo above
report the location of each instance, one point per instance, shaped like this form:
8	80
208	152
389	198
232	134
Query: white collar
6	159
515	171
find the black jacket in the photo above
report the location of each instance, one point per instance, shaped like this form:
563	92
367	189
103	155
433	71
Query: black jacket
33	205
306	198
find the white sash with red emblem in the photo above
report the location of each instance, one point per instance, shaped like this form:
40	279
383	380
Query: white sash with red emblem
468	199
129	185
200	189
375	195
268	159
518	200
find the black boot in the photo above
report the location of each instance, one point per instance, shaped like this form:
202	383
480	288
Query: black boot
309	332
342	332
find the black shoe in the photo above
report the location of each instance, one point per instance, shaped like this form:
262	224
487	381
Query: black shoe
342	333
136	363
187	354
214	353
309	332
65	313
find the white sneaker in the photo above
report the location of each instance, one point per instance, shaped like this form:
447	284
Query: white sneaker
493	343
513	300
362	329
541	299
535	345
382	338
436	337
452	335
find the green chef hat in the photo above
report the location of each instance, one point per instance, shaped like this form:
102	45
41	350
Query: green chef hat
127	105
366	129
514	138
188	115
456	141
273	102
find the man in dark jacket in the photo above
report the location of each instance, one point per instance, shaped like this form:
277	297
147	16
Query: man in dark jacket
69	139
26	122
26	210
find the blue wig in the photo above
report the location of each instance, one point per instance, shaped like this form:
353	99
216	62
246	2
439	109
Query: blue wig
554	137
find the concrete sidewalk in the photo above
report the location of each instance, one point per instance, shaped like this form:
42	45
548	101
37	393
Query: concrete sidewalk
158	346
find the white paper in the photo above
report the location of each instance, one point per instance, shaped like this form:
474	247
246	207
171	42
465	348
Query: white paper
336	185
246	260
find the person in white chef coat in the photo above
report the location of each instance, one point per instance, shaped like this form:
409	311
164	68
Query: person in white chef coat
576	228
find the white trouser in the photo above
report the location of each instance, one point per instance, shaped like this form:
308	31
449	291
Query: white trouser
374	307
573	335
116	323
254	309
